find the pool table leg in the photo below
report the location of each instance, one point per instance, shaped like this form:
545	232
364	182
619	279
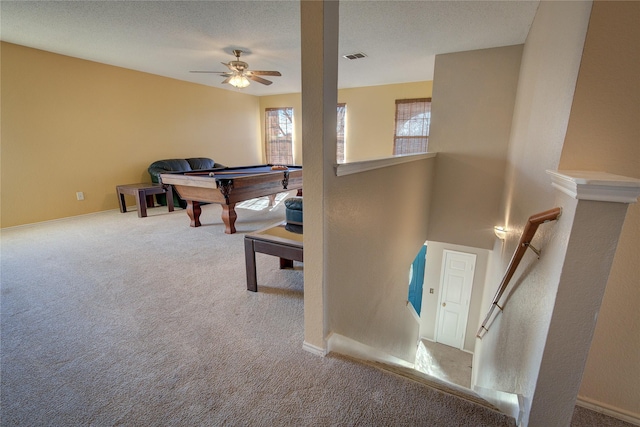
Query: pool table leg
229	217
194	210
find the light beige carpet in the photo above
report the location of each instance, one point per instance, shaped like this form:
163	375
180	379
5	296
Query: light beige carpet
110	319
444	362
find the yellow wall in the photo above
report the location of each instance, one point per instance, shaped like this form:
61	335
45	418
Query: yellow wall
72	125
370	117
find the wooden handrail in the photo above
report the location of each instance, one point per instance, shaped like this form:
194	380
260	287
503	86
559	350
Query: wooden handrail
525	242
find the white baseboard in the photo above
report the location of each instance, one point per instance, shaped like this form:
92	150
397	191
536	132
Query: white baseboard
318	351
609	410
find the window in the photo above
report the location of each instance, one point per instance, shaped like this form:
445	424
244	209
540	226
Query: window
279	135
412	126
342	114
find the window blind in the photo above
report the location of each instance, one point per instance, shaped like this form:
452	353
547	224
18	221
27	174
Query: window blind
279	135
342	114
413	117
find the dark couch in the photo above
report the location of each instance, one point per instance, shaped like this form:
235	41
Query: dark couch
178	165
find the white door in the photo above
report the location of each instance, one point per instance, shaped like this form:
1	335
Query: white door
455	295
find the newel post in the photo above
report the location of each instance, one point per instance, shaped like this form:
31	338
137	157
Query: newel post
594	208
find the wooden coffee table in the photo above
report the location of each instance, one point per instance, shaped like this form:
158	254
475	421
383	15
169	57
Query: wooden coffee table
144	196
277	240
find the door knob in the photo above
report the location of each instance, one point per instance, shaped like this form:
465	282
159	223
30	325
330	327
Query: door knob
444	304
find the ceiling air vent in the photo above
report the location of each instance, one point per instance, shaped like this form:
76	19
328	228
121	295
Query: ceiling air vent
353	56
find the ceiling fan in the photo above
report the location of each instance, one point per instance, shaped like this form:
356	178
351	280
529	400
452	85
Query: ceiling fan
239	73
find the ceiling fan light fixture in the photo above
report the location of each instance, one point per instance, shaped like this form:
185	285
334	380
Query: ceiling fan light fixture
239	81
239	75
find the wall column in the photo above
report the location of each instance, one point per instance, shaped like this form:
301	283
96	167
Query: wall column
319	27
597	204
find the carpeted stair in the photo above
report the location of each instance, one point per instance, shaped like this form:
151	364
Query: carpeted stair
436	384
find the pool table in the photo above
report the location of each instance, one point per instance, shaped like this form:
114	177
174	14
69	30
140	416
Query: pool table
228	186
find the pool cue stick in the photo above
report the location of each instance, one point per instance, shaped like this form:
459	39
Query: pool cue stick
221	173
245	173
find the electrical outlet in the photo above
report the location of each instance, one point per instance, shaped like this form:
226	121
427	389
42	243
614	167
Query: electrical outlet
80	195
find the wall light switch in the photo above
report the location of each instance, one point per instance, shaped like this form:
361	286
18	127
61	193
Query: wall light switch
80	195
430	290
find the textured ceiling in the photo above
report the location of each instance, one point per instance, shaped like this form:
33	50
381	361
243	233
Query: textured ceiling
170	38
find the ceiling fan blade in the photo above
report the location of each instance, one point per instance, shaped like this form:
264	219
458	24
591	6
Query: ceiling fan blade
264	73
227	80
259	80
212	72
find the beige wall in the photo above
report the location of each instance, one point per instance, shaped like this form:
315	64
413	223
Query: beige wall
376	226
365	228
599	113
370	117
604	134
508	357
71	125
472	108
